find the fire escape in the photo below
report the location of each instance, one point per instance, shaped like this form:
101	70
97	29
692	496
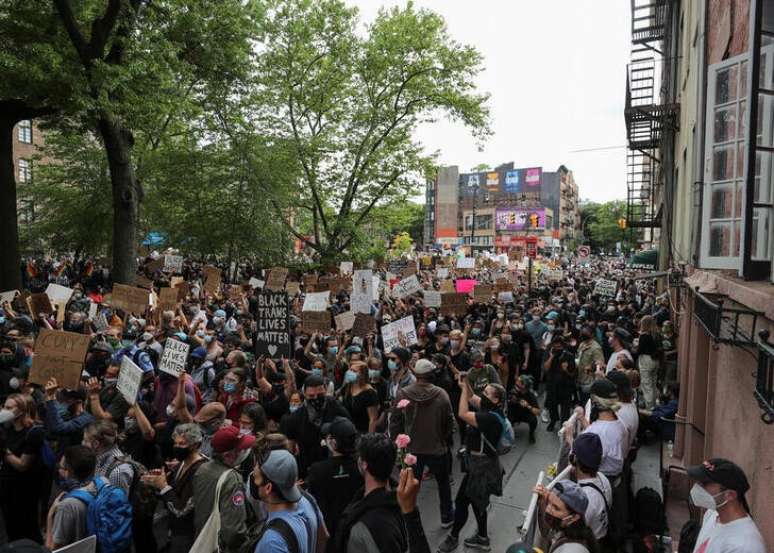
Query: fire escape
648	113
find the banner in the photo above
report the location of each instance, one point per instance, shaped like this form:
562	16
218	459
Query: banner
400	333
272	319
513	180
533	178
520	218
406	287
362	291
316	301
174	358
129	379
59	355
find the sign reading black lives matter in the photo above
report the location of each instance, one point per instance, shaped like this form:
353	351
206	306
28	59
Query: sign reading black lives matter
272	336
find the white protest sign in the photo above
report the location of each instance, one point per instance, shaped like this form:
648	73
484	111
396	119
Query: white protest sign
8	296
466	263
316	301
401	333
432	298
93	310
173	263
554	274
346	267
129	379
255	283
443	273
362	292
59	294
376	287
174	358
505	297
86	545
406	287
604	287
345	321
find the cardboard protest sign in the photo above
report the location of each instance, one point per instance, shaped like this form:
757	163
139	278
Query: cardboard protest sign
362	291
345	321
316	321
447	286
40	303
173	263
212	280
275	280
363	325
174	358
168	298
86	545
143	282
346	267
407	287
482	293
235	292
432	298
58	293
400	333
129	298
310	279
59	355
605	288
466	263
176	281
8	296
442	273
292	288
505	297
129	379
336	285
465	285
272	319
502	285
316	301
454	303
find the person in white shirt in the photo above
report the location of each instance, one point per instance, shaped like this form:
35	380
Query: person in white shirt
628	413
727	526
619	342
605	424
585	458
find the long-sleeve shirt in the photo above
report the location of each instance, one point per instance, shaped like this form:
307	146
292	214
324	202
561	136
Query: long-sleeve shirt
66	432
120	474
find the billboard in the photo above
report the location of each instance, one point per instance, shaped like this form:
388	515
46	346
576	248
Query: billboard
520	218
513	181
533	178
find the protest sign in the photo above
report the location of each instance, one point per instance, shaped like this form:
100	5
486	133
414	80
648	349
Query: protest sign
335	284
173	263
482	293
86	545
465	285
553	275
40	303
466	263
454	303
129	298
59	294
505	297
362	291
310	279
316	301
363	325
396	266
168	299
406	287
292	288
272	320
176	281
409	270
400	333
174	358
316	321
442	273
129	379
427	262
8	296
255	283
502	285
212	280
447	286
275	280
92	310
345	321
143	282
376	287
606	288
432	298
346	267
100	323
59	355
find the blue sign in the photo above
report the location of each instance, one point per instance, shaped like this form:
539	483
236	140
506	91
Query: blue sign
512	182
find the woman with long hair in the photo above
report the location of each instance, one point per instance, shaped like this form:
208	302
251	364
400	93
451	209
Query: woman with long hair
360	398
648	354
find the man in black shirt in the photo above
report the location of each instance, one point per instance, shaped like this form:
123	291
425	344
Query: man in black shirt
523	406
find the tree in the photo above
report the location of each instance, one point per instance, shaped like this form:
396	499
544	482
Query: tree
402	244
349	105
601	225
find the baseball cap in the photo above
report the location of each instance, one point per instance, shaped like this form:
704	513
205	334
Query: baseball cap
587	448
281	469
622	335
220	313
572	495
604	388
423	366
552	316
722	471
199	353
228	438
341	428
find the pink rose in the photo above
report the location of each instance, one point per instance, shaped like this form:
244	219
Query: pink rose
410	460
402	441
402	404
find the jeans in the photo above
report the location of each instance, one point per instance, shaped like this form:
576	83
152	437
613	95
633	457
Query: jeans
439	466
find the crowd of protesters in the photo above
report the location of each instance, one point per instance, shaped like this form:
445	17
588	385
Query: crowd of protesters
325	450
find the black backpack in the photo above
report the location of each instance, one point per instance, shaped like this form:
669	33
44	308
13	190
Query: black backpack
649	517
142	496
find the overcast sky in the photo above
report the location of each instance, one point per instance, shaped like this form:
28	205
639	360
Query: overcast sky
556	73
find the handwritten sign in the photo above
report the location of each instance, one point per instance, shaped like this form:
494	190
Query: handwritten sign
400	333
129	298
40	303
605	288
432	298
505	297
168	298
466	263
363	325
173	263
465	285
59	355
482	293
316	321
143	282
275	280
454	303
346	267
58	293
362	291
292	288
442	273
8	296
407	287
174	358
129	379
345	321
212	280
316	301
447	286
272	319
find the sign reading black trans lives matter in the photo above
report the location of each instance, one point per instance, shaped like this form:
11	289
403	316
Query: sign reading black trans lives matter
272	336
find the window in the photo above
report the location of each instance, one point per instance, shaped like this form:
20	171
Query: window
483	222
25	131
25	171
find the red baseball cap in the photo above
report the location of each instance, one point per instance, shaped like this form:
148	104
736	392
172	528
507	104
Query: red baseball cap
228	439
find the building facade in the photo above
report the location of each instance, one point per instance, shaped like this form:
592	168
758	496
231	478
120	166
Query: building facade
495	210
27	142
700	125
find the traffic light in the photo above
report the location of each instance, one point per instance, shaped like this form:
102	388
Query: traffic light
622	223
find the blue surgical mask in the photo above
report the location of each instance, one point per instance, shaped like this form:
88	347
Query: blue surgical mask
229	387
392	365
333	350
350	377
294	408
374	374
317	371
475	332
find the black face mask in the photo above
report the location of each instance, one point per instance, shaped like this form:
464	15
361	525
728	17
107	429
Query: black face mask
318	403
254	490
181	453
555	523
487	405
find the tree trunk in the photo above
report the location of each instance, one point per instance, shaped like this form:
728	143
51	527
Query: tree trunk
126	198
10	266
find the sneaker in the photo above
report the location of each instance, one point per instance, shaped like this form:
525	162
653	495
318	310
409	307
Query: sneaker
477	542
544	416
449	544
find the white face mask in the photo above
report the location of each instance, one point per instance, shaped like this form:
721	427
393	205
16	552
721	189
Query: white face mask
702	498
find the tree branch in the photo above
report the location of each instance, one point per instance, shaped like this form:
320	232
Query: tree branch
73	31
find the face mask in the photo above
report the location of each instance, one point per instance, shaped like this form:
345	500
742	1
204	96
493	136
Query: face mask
200	333
551	328
229	387
392	365
6	415
208	339
181	453
317	403
241	457
170	411
333	350
147	337
317	371
555	523
110	381
610	342
350	377
702	498
455	344
374	374
294	408
244	431
500	315
114	342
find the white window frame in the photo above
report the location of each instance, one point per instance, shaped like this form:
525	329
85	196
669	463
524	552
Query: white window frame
25	171
25	131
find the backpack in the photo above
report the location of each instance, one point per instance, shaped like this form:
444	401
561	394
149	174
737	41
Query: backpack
279	525
507	437
109	516
142	497
649	515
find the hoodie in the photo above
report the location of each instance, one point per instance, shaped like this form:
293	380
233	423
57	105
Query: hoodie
428	419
